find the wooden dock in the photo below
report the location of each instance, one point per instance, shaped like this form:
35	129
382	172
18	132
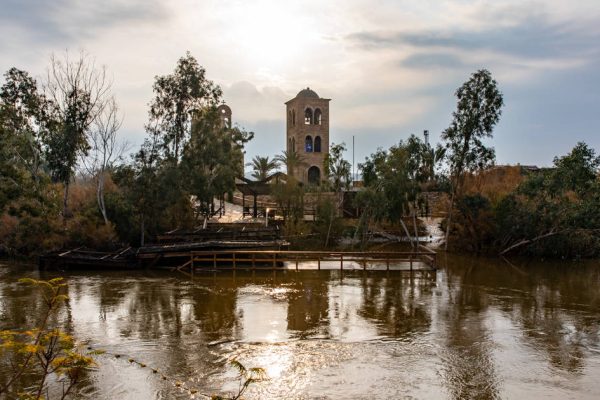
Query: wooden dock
422	259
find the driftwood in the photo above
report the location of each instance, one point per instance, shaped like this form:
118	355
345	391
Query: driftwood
529	241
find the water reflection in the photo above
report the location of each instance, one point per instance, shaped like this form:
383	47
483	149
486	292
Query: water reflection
478	329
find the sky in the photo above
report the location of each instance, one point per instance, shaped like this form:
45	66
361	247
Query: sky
390	67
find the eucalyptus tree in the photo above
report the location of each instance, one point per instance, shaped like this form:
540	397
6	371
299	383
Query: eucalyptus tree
178	97
23	122
262	167
478	110
212	159
197	156
387	178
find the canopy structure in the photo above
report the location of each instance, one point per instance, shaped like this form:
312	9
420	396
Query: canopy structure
252	188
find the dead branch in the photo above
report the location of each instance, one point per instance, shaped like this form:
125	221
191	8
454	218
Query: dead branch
529	241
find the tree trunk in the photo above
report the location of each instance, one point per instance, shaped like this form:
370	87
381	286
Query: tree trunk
66	200
142	231
414	215
449	221
100	196
407	233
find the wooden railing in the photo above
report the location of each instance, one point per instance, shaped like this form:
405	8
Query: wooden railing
274	259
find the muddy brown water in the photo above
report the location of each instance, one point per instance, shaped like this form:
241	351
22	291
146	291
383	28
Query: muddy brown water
478	328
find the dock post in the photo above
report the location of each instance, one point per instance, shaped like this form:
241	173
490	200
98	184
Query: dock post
274	260
411	264
215	260
234	267
341	261
296	262
387	263
319	263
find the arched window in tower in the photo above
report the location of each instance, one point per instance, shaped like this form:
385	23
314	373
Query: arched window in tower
318	116
314	175
293	117
317	144
308	116
294	145
308	144
289	118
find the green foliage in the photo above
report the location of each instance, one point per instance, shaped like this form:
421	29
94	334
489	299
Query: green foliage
189	158
552	213
289	196
247	376
474	223
478	110
262	167
212	159
393	180
23	122
292	160
328	223
78	93
177	98
337	169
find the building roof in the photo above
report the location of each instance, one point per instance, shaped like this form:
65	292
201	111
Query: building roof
308	93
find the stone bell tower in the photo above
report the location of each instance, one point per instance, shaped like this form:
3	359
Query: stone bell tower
308	133
225	114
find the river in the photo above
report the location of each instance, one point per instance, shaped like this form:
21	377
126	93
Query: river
478	328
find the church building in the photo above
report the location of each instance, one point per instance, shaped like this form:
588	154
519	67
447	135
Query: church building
307	133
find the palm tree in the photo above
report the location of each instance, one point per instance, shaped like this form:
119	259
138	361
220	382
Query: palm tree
432	157
292	160
263	167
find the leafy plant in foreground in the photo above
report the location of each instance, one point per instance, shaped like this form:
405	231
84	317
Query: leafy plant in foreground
43	352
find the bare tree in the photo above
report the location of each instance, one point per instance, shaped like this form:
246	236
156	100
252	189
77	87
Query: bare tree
105	149
79	91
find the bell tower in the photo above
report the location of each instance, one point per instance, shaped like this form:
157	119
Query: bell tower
307	133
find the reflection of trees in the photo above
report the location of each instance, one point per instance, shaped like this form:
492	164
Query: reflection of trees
308	305
184	318
21	309
469	368
398	304
558	314
554	304
215	311
111	293
20	305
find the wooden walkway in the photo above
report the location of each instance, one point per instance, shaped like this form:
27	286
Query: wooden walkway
423	259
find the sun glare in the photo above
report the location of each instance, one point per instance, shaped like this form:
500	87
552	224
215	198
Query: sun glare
271	35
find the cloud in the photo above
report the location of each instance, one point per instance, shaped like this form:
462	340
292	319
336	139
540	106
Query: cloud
390	69
532	38
433	60
248	103
59	21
